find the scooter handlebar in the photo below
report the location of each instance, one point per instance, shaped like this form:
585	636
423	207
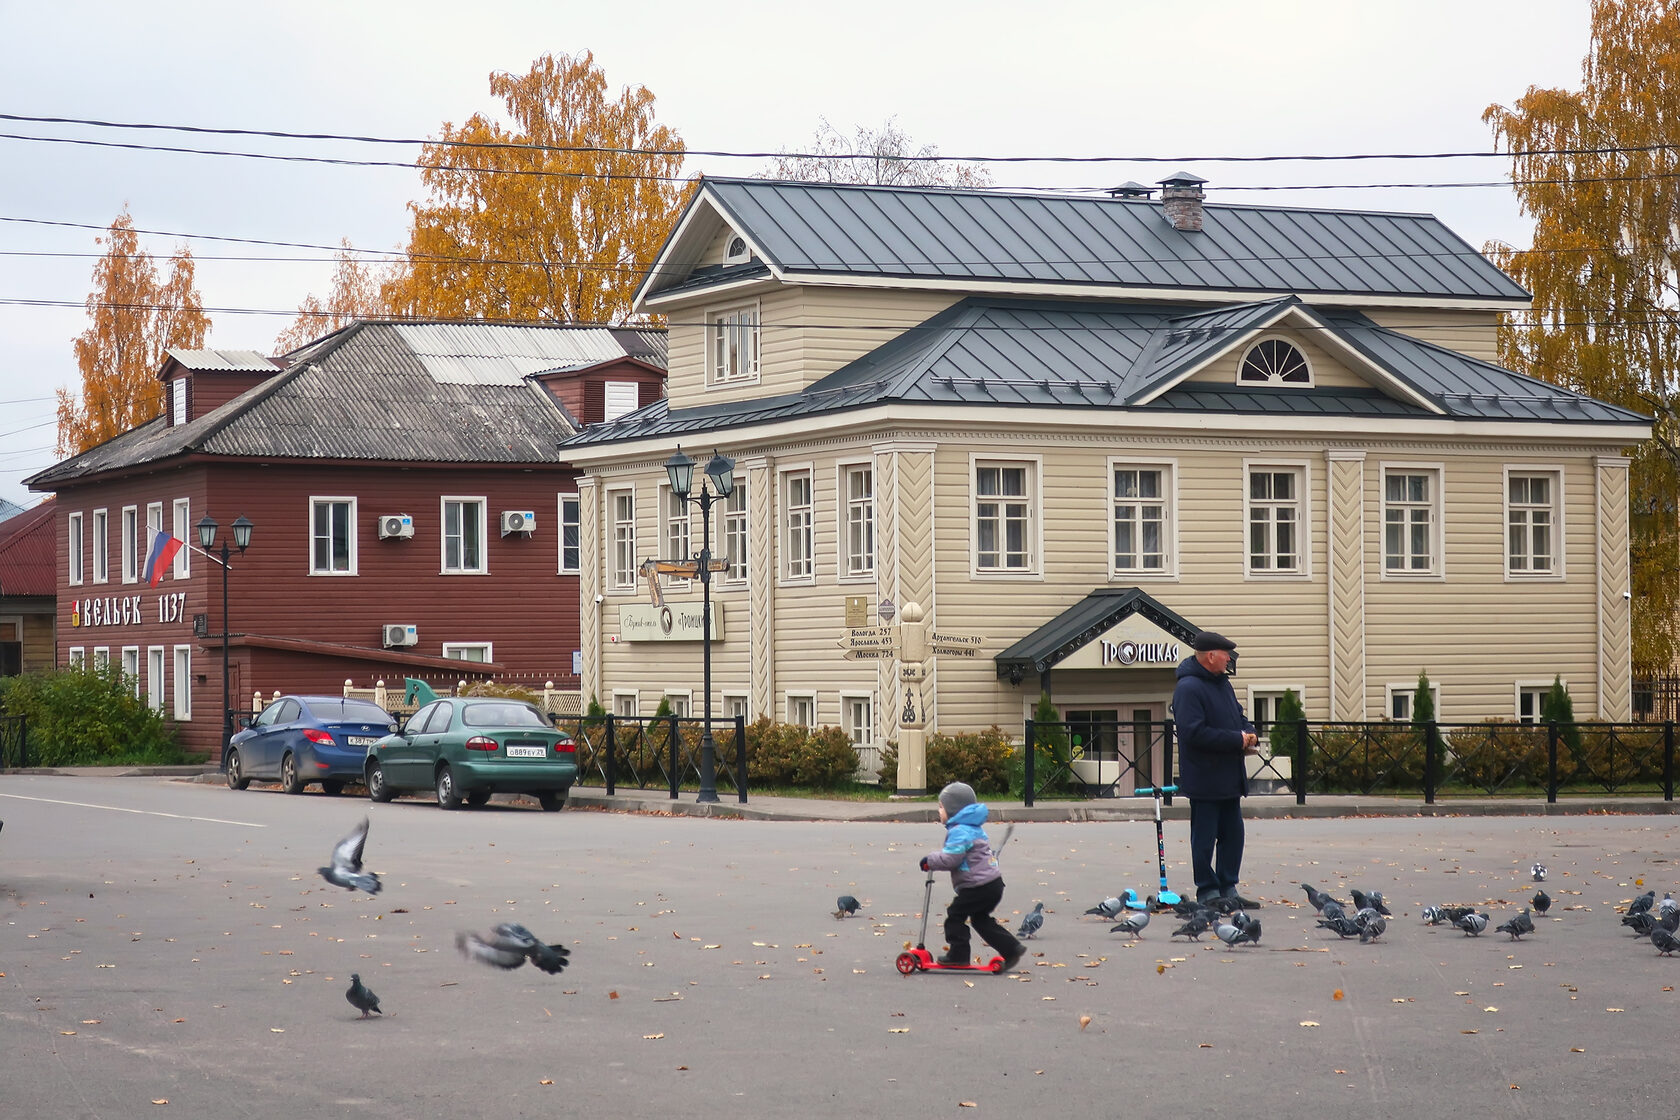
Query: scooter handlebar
1141	790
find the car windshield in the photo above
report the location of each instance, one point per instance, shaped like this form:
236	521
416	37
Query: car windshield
350	711
501	714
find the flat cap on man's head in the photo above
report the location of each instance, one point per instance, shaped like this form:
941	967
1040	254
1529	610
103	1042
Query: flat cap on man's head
1206	640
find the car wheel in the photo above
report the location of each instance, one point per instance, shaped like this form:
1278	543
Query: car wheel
447	796
552	802
289	780
377	789
236	778
332	789
478	797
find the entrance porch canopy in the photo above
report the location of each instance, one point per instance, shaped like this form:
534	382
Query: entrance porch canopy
1112	627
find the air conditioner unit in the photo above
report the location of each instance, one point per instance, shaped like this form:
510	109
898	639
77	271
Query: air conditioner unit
399	526
518	521
397	634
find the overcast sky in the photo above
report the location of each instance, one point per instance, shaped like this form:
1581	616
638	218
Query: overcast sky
1111	78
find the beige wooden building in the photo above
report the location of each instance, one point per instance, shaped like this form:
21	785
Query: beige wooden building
1081	428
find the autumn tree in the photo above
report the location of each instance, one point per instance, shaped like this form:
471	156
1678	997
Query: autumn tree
1598	169
883	156
135	318
555	215
355	295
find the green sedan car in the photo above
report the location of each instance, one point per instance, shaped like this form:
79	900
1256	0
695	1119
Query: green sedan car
466	748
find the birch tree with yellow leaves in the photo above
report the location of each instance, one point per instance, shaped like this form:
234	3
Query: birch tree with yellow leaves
554	216
135	317
355	295
1598	169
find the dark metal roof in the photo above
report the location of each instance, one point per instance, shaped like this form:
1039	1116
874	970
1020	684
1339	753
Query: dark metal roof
1084	622
1004	352
808	230
386	392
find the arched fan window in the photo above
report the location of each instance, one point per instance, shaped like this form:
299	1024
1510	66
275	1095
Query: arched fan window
736	251
1274	361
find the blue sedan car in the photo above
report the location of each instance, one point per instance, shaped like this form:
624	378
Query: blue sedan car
302	740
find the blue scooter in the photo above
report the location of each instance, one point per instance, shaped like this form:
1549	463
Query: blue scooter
1164	899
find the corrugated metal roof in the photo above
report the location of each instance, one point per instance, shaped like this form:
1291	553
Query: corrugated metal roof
968	236
494	354
242	360
29	553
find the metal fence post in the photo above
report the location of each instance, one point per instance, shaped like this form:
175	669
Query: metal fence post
612	768
1303	750
741	758
676	749
1168	745
1668	760
1551	762
1431	753
1028	779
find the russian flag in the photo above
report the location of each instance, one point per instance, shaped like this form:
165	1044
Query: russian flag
164	548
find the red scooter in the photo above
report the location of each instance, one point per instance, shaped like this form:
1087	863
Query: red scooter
920	960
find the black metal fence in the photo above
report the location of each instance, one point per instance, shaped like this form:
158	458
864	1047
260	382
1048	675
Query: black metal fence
1656	699
14	741
644	752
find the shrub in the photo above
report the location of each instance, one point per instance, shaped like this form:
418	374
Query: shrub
1492	755
983	759
503	691
1285	726
83	717
1558	708
1364	758
1423	701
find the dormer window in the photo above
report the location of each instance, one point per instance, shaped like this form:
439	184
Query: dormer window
732	353
736	251
178	401
1274	361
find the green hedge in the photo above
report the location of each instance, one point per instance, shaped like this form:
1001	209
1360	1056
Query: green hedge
88	717
983	759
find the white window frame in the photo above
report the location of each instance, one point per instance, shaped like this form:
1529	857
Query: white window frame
1168	469
131	668
1437	522
177	401
612	409
157	684
569	516
621	537
789	699
680	701
734	700
101	546
736	535
676	531
154	526
793	522
1553	473
1306	359
1272	693
76	657
183	682
101	658
734	344
352	557
183	530
1033	497
466	502
1408	689
130	542
634	698
75	549
457	650
861	734
1302	502
856	562
1519	687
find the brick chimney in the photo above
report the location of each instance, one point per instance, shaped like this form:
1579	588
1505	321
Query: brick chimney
1181	201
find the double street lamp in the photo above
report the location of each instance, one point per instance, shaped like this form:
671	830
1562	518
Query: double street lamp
721	470
241	540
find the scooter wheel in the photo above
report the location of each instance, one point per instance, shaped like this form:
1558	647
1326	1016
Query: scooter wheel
906	963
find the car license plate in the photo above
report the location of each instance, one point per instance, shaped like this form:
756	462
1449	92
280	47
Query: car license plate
521	750
361	740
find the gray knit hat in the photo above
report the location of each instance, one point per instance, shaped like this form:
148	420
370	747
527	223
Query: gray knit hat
956	796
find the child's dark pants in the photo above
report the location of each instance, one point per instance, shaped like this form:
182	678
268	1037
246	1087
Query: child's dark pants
974	905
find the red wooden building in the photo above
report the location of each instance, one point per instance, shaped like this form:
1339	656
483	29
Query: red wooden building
412	514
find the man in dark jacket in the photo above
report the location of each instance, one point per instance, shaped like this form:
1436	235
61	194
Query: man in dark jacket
1214	740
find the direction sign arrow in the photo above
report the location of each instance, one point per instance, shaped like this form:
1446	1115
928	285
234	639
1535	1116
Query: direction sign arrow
869	654
869	637
952	639
956	651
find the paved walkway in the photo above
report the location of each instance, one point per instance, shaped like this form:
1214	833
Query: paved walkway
761	807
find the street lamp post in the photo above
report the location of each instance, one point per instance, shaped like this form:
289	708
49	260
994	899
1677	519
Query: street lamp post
721	470
241	540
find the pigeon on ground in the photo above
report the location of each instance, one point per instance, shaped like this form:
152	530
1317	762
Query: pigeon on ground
346	869
1108	908
1473	923
1539	872
1541	902
1643	903
1670	921
1517	926
361	997
1033	922
1194	927
1316	897
845	906
1234	935
1667	905
1341	925
511	945
1249	925
1373	927
1132	924
1445	915
1372	901
1641	923
1665	941
1332	909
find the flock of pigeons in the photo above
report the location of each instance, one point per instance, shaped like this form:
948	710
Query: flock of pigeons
508	944
1228	918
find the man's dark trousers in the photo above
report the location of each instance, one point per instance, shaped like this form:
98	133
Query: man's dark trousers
1216	845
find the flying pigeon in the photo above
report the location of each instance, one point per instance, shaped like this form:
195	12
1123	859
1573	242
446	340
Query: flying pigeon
1539	872
1108	908
1234	935
1033	922
1132	924
346	870
361	996
1517	926
1643	903
1473	923
1193	927
845	906
1542	902
1316	897
1665	941
1372	901
1341	925
510	945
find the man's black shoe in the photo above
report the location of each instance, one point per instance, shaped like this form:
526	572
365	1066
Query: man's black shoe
1243	903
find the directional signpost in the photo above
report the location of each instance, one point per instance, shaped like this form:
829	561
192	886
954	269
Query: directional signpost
955	645
864	643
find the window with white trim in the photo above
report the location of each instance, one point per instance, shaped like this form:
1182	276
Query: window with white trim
857	720
798	543
1531	700
156	686
622	506
183	682
468	651
732	345
463	536
620	398
1411	503
1142	529
131	541
101	658
571	534
1274	361
183	526
802	709
1003	517
675	524
1401	698
154	526
177	401
678	703
131	669
332	536
101	546
73	548
77	657
626	703
737	704
1263	704
1275	521
735	533
1531	522
857	531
